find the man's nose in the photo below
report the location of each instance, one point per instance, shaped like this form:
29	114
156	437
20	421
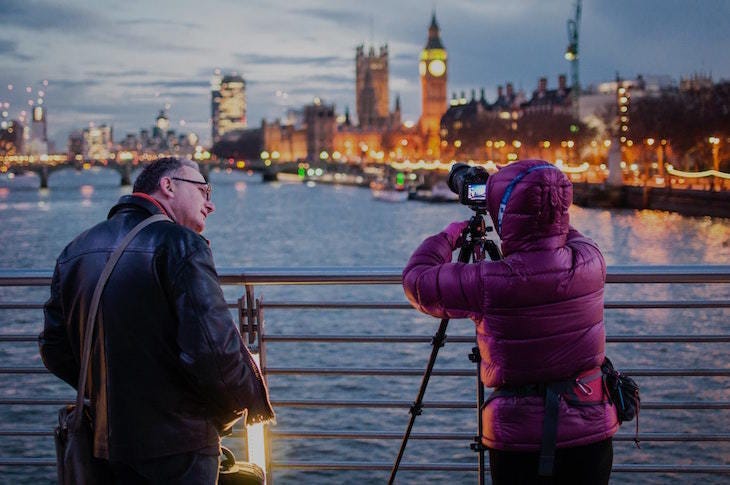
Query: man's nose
210	206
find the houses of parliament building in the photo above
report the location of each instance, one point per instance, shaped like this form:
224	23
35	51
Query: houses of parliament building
379	135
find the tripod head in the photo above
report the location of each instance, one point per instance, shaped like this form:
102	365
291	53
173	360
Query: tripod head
477	244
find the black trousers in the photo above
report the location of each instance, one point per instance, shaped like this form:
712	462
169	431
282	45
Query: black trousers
589	465
183	469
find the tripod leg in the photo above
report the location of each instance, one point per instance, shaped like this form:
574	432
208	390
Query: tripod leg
477	444
470	234
437	341
482	448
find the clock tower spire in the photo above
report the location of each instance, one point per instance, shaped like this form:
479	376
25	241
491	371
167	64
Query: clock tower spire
432	68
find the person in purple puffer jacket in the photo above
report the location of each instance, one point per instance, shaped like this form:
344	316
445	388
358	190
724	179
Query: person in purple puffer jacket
539	325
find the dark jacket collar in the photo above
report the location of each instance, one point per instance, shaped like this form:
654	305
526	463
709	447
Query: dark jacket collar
137	201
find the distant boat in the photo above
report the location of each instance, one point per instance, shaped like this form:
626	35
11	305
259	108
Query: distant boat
440	192
387	191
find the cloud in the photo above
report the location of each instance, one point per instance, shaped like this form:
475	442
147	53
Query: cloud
9	48
74	83
167	84
262	59
43	15
117	74
338	17
166	22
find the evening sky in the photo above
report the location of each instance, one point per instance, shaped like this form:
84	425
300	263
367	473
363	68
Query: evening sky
120	62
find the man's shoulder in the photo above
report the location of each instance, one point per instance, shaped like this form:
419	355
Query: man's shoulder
106	235
97	238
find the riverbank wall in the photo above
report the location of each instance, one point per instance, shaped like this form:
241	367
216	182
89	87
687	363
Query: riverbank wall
685	202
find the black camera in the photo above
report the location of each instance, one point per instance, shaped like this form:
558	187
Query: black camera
470	184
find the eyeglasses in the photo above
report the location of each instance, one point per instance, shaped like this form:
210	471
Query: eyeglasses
207	187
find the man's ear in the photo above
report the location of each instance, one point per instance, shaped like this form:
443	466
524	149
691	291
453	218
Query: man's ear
165	187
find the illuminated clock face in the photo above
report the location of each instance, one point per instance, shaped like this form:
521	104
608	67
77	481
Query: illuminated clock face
422	68
437	68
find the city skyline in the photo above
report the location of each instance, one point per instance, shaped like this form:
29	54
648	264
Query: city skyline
119	64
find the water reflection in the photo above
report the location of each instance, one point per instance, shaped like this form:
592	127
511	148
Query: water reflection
87	191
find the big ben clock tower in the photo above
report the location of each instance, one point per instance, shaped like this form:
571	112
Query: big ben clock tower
433	71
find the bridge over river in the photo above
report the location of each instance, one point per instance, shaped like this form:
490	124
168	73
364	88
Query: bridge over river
44	166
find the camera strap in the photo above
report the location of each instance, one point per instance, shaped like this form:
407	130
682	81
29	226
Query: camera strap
510	188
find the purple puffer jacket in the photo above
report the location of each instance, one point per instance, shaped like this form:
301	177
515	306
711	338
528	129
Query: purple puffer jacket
538	311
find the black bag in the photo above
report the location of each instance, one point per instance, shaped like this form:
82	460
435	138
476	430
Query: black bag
74	449
623	392
232	472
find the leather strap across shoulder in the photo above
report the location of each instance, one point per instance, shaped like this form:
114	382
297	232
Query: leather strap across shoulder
94	307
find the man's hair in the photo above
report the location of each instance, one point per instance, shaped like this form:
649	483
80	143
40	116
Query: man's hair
148	180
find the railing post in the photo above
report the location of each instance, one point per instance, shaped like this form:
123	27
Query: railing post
125	169
248	316
251	322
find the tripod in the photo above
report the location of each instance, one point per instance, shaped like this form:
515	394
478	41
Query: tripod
476	244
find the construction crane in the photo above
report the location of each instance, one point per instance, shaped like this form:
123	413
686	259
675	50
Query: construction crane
571	54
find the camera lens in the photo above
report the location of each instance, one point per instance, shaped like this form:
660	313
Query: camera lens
456	177
470	184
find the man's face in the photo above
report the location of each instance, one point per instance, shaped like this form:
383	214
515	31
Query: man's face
190	205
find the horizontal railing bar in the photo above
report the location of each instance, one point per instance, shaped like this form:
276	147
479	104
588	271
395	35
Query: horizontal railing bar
26	432
368	305
4	461
21	305
668	338
676	405
392	275
23	370
35	401
372	466
374	371
355	434
641	305
467	467
19	338
385	466
428	338
410	371
294	434
394	305
470	339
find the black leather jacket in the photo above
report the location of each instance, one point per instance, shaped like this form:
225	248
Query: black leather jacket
168	364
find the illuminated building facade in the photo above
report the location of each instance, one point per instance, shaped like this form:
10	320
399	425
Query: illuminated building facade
11	137
97	142
228	105
38	143
371	87
162	125
433	70
321	125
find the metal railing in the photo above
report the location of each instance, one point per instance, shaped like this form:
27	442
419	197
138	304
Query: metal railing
288	436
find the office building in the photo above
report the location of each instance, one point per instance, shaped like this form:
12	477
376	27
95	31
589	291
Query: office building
228	105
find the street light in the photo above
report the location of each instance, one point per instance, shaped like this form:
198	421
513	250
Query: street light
715	142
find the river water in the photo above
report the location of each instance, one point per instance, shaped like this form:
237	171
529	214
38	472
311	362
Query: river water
298	225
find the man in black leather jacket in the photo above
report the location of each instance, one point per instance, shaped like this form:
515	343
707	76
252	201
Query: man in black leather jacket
169	369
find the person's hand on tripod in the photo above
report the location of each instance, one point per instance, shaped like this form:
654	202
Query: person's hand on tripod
454	233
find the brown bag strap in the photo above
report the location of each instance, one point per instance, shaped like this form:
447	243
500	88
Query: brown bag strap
94	307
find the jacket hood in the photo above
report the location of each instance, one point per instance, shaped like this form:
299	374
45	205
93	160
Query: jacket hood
528	202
